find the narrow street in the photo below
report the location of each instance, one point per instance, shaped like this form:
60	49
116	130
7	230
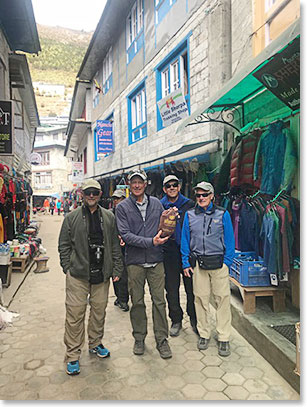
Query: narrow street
32	352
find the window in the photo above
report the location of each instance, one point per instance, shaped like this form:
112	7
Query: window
55	137
134	30
43	180
162	7
172	74
107	72
45	157
137	121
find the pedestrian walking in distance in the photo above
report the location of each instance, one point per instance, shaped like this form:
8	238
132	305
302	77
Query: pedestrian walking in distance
138	219
208	249
172	258
90	255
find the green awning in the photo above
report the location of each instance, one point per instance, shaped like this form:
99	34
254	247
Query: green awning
243	86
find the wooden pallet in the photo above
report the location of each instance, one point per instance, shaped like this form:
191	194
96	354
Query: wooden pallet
20	263
249	295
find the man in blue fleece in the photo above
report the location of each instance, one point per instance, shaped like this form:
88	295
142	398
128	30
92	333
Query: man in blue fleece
172	258
208	249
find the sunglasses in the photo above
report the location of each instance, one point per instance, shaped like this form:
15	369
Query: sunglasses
204	195
174	185
92	191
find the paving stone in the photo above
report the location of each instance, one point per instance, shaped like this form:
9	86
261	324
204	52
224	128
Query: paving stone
4	379
193	377
251	372
177	370
10	390
174	382
280	393
22	375
236	393
213	371
214	385
4	348
48	392
90	393
255	386
211	395
178	358
194	365
193	355
211	361
37	383
33	364
233	379
243	351
246	361
11	368
259	396
45	370
193	391
26	395
230	367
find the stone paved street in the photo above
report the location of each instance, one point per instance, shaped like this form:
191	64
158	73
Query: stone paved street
32	351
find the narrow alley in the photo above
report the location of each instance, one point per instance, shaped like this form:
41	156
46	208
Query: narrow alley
32	352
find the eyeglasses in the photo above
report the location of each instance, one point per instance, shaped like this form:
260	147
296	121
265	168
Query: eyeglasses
174	185
204	195
92	191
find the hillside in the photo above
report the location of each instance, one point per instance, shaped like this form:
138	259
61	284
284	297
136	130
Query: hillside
58	63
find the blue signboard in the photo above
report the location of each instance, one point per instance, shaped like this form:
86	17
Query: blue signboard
104	135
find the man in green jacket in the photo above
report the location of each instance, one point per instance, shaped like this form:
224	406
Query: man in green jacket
89	254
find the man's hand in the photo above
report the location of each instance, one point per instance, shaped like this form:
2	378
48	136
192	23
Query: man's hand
115	279
188	271
121	242
158	240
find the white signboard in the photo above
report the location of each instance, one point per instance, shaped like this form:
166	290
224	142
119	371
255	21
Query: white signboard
77	171
35	159
173	108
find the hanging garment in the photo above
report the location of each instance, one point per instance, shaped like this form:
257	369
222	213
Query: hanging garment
276	157
248	229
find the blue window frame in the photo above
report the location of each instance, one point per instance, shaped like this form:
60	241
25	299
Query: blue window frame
162	7
135	30
137	115
173	73
107	78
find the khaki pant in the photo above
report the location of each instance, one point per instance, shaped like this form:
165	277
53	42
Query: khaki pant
76	301
137	275
217	281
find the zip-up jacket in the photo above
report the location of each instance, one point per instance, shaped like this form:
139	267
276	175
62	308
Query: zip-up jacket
73	244
138	234
207	232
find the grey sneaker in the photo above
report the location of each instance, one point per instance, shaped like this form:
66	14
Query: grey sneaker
203	343
224	348
164	349
139	347
175	329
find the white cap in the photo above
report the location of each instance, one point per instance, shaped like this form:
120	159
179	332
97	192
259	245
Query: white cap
139	173
169	178
206	186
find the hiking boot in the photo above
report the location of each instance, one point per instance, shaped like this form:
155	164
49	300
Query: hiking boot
139	347
203	343
224	348
100	351
194	326
123	306
175	329
116	302
73	368
164	349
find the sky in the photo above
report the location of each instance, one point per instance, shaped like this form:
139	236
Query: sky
75	14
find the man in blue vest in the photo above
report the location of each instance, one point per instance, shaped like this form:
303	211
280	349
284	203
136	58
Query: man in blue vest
172	258
208	249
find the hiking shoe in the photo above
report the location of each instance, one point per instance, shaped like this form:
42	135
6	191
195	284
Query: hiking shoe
139	347
100	351
73	368
203	343
175	329
123	306
224	348
194	326
116	302
164	349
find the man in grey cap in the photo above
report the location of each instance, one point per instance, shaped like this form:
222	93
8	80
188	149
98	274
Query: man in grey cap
208	249
172	258
138	219
89	255
121	286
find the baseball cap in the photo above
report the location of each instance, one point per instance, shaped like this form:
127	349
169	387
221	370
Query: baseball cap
90	183
206	186
119	193
169	178
139	173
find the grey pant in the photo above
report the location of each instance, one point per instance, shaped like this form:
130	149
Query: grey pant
137	275
76	302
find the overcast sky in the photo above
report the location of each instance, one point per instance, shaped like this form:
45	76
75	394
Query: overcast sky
75	14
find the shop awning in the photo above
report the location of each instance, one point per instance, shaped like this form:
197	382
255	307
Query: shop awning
244	86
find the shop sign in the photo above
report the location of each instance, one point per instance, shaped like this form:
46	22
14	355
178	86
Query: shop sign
104	134
35	159
6	127
281	75
173	108
77	171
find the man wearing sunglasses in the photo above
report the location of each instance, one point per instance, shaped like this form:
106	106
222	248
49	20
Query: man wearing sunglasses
138	219
89	254
208	248
172	258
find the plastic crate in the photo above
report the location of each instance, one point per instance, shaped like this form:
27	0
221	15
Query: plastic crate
249	273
